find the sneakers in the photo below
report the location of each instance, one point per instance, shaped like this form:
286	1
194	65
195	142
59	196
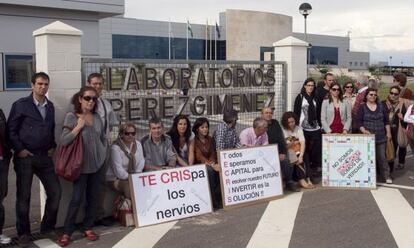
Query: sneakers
4	239
388	180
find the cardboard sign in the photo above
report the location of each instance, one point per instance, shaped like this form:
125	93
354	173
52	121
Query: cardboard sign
250	175
166	195
348	161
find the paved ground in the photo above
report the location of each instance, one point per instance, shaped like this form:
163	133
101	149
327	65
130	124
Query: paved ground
312	218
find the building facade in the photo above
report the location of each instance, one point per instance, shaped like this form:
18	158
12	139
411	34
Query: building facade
240	35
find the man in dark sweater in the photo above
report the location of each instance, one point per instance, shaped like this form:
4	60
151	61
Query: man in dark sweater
31	131
321	92
275	136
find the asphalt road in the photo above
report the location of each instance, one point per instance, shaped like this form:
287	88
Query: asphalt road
312	218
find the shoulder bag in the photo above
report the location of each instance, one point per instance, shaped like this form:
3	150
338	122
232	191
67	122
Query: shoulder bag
69	159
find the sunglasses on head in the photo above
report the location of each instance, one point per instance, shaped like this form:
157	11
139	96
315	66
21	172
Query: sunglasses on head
88	98
129	133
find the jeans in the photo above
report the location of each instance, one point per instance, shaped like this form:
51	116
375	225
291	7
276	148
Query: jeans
4	172
402	151
89	183
215	188
382	165
287	171
313	148
42	167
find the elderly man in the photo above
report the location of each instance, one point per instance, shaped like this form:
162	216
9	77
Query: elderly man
158	148
256	135
275	136
225	135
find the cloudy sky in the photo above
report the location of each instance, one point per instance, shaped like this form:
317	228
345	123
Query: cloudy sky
382	27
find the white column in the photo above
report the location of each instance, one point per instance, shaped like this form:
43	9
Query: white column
58	53
292	51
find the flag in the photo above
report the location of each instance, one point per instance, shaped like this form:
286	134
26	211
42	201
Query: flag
218	31
189	29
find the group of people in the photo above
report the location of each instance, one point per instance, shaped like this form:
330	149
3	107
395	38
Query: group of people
30	133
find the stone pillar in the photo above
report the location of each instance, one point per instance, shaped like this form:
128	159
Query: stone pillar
293	52
58	53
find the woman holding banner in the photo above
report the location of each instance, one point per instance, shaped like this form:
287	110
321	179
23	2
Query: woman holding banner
372	118
182	140
306	110
127	157
204	153
295	141
336	113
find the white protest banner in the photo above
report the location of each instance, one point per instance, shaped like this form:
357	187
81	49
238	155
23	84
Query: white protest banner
250	175
166	195
348	161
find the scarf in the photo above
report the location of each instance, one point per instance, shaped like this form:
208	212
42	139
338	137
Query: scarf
130	156
311	109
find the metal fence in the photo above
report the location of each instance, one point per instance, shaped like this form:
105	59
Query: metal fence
140	89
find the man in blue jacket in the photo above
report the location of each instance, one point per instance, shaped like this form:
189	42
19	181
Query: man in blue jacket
31	132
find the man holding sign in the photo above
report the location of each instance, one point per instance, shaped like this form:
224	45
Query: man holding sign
275	134
158	149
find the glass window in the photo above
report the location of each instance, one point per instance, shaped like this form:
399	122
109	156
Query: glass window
350	63
324	55
18	70
150	47
361	64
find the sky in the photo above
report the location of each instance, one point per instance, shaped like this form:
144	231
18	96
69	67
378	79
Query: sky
382	27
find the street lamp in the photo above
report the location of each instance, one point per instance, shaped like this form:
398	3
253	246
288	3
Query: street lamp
305	9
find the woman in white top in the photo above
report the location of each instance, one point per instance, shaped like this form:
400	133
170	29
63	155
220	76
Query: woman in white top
409	118
295	141
127	157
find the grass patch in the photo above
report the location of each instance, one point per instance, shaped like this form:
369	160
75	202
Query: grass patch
384	89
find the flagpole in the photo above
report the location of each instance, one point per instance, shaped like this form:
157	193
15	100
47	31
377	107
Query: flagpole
210	44
215	42
187	41
205	53
169	39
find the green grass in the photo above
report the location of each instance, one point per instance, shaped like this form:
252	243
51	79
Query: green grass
384	89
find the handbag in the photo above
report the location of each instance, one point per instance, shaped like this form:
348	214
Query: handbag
410	131
390	152
123	211
69	159
402	138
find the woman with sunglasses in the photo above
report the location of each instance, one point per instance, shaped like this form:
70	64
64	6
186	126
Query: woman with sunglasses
396	108
372	118
336	114
182	139
305	108
86	122
127	157
349	93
